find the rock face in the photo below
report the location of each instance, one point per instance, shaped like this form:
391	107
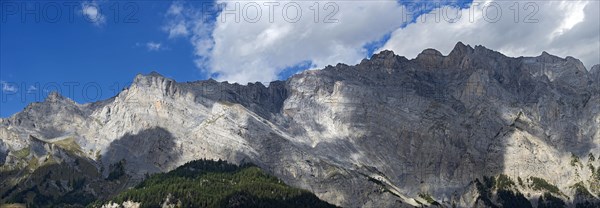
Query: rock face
388	132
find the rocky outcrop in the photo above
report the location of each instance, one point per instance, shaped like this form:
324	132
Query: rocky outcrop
595	74
387	132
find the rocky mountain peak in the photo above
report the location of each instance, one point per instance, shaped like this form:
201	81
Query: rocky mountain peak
483	51
545	57
459	53
430	52
56	97
385	54
430	58
386	59
576	63
149	78
155	81
155	73
460	50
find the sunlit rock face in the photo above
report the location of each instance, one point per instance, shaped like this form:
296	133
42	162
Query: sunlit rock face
387	132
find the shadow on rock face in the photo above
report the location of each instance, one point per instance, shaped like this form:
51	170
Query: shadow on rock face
3	152
58	179
435	130
449	147
149	151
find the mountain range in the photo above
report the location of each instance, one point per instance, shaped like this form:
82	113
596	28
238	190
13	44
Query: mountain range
473	128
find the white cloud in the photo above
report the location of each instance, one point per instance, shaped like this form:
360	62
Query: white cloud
193	24
8	87
246	52
176	25
153	46
241	45
256	49
567	28
92	13
177	29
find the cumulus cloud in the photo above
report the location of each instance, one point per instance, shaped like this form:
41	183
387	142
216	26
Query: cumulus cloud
8	87
256	41
92	13
259	40
194	23
176	25
259	51
563	28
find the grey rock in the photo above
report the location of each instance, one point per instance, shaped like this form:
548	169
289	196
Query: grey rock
3	152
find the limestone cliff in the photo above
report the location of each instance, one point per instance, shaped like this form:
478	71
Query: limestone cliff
388	132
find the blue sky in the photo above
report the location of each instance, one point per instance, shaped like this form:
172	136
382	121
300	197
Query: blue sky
83	55
79	55
93	60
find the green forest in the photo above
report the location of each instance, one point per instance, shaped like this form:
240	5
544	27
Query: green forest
207	183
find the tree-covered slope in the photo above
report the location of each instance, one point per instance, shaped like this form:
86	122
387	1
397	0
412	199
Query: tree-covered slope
206	183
